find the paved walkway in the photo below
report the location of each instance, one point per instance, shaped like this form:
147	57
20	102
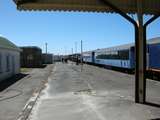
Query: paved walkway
14	98
93	94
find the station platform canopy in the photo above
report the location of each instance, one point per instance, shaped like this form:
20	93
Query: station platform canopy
150	7
122	7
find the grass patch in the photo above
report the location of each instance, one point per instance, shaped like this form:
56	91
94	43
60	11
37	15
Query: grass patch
24	70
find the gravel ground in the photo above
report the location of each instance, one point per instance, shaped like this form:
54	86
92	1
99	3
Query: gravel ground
93	94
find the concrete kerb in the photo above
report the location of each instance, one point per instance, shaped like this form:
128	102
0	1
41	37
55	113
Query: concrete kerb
31	102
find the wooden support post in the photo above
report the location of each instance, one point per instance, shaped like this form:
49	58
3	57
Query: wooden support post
140	57
140	40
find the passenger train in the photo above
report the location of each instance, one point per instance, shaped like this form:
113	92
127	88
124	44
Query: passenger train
123	56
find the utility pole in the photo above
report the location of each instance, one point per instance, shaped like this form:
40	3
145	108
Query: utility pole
81	55
81	51
75	47
72	55
76	56
65	50
45	57
46	47
72	51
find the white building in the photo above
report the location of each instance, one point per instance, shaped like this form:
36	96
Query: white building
9	59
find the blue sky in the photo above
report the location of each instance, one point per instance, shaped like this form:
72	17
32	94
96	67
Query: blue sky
62	29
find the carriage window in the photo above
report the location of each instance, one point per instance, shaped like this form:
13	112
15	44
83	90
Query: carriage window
119	55
124	54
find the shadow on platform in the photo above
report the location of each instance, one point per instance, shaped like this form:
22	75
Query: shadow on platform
153	105
156	119
41	66
10	81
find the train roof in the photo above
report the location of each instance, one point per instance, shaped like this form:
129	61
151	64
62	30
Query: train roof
119	47
124	46
154	40
128	46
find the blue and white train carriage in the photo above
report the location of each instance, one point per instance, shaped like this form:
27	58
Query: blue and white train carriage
123	56
89	57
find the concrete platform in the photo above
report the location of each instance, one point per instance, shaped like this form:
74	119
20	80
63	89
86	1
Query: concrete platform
14	98
93	94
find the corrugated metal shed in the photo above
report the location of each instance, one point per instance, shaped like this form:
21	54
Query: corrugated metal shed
31	56
128	6
31	47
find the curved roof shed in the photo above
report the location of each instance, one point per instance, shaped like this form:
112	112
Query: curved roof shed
6	44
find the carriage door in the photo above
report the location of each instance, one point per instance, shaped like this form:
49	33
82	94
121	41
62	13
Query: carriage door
93	57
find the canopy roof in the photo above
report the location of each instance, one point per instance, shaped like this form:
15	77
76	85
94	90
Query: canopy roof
128	6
